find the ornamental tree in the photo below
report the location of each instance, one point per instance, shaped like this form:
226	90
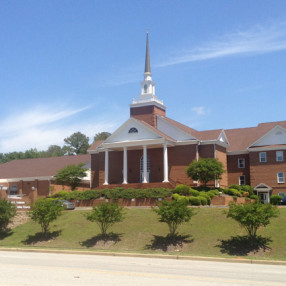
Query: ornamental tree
205	170
174	213
252	216
71	175
106	215
44	211
7	212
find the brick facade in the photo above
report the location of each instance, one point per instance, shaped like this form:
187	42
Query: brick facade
147	114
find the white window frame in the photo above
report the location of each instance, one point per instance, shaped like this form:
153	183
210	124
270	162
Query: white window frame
280	179
241	180
260	157
279	156
242	161
282	195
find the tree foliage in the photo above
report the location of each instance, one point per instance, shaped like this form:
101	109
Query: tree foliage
101	136
71	175
205	170
77	143
252	216
174	213
106	215
44	211
7	211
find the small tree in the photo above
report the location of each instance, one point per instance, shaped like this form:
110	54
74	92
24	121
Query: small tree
44	211
7	211
106	215
174	213
205	170
252	216
71	175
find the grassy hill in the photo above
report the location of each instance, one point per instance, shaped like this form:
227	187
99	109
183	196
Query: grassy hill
209	233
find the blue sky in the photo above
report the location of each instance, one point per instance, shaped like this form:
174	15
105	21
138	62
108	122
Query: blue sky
68	66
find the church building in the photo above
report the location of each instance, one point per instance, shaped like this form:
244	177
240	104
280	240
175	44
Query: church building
150	149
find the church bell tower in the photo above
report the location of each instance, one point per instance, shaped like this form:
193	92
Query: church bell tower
147	106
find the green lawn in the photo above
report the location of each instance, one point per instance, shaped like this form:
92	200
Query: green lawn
209	233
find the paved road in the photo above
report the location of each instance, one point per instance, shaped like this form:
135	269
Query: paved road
42	269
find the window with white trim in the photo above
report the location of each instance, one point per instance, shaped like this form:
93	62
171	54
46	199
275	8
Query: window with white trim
280	178
241	163
241	180
262	157
282	195
279	156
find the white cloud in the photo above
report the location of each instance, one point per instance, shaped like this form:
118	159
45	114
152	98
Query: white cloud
199	110
257	40
41	127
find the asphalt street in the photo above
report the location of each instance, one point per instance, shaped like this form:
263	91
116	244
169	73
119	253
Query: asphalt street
47	269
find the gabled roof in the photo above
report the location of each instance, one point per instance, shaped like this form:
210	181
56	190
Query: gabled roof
95	144
200	135
39	167
240	139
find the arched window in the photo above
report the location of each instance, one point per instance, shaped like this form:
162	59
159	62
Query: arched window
133	130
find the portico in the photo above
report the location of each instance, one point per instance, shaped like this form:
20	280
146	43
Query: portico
146	161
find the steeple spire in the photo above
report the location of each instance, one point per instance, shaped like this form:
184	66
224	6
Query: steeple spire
147	58
147	96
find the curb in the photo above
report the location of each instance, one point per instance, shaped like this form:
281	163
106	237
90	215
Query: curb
156	256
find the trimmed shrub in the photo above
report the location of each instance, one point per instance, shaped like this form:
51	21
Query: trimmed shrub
248	189
194	192
195	201
275	200
236	187
255	197
203	200
182	190
232	192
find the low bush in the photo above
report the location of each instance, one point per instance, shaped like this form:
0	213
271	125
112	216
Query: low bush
194	192
275	200
255	197
203	200
248	189
115	194
232	192
182	190
194	201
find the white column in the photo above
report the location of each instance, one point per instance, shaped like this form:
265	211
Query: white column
106	168
165	151
124	165
145	164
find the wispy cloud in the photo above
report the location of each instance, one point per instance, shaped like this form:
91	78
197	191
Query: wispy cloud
199	110
41	127
257	40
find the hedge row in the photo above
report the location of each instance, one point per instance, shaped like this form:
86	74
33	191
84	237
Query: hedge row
116	193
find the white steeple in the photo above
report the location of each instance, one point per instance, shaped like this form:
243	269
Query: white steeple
147	96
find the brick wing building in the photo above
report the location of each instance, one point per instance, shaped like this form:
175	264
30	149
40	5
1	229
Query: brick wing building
152	149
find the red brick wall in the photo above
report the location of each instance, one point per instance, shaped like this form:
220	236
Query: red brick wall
267	172
179	158
147	113
222	157
234	172
206	151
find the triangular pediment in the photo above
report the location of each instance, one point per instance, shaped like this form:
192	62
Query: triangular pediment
172	130
132	130
276	136
262	187
222	138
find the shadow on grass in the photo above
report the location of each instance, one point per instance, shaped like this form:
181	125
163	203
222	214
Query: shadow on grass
168	243
40	237
110	238
243	245
4	234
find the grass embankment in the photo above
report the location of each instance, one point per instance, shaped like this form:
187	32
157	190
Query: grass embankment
209	233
